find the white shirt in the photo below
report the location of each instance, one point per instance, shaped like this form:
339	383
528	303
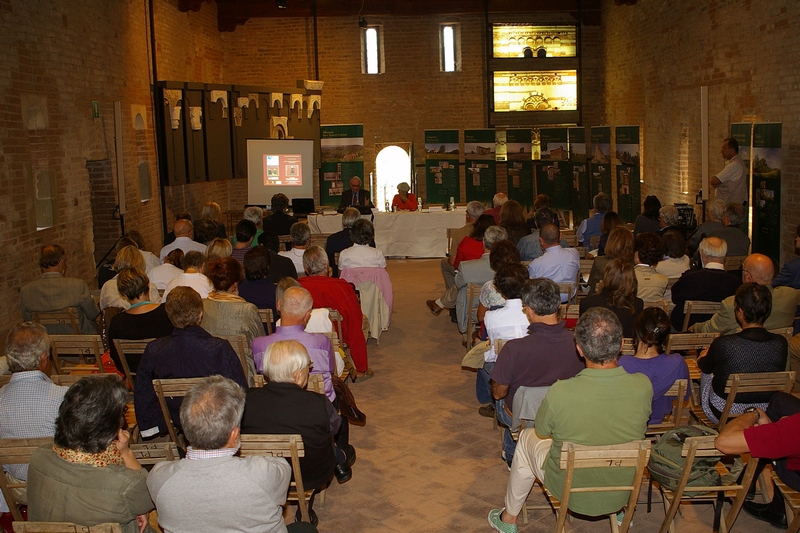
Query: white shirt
360	256
734	185
163	274
184	243
508	322
296	255
151	261
195	280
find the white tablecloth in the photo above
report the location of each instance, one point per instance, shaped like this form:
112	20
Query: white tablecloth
402	234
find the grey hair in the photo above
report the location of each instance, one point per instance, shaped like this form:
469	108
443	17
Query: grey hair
210	411
475	209
283	285
716	208
350	215
602	202
669	214
255	215
26	343
735	213
300	233
714	248
357	179
362	232
542	296
315	261
282	359
499	199
493	235
296	302
599	335
403	186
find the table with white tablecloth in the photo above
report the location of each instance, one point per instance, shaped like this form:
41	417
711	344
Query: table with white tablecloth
402	234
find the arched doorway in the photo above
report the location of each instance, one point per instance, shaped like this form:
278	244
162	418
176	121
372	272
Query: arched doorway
392	166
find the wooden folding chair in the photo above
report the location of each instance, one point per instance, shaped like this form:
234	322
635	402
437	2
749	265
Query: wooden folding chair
683	342
67	380
744	383
569	312
155	452
568	288
319	239
65	527
62	317
734	262
450	232
173	388
586	268
575	456
126	348
663	304
473	299
628	347
240	346
698	307
582	251
17	452
80	346
336	338
284	242
675	418
570	238
266	317
704	447
288	446
792	500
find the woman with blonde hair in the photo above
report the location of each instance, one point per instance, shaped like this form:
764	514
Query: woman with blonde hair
219	248
618	295
127	257
212	211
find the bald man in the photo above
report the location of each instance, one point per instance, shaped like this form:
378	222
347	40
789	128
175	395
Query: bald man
757	268
184	239
497	203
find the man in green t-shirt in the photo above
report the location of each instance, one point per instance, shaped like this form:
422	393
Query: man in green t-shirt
602	405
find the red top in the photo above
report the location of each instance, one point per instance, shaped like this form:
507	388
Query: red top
409	205
468	249
776	440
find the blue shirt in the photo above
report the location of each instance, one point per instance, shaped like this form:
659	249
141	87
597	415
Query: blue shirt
558	264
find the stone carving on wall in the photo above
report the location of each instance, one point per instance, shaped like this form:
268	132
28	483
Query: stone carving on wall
216	96
313	85
276	100
296	100
171	99
242	102
237	116
313	101
34	112
278	126
139	117
195	118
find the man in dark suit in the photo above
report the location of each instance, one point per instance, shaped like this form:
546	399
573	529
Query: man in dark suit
356	196
710	284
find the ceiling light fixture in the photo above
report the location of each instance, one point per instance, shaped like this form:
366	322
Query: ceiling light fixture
362	22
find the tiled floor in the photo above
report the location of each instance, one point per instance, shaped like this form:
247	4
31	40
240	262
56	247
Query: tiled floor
426	460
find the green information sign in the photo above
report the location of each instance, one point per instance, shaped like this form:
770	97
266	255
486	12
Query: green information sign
553	143
341	158
520	167
628	172
600	180
479	159
441	166
581	192
767	190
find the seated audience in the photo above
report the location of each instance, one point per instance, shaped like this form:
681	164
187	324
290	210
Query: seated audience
205	231
648	250
618	295
227	493
752	350
256	288
29	402
404	200
757	268
184	239
610	221
172	268
142	320
279	222
361	254
218	248
169	238
503	253
194	264
53	291
789	276
715	210
127	257
618	246
245	233
471	247
255	215
648	221
284	406
340	295
341	239
738	242
649	338
227	313
709	284
279	267
675	261
529	246
212	211
319	322
474	211
90	476
300	235
151	260
602	405
497	204
591	226
557	264
189	352
512	219
772	436
668	220
502	323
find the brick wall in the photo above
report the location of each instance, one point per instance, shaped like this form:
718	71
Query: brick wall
657	56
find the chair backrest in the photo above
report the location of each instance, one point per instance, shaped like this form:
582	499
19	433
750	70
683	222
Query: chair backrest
674	419
319	239
336	319
126	347
586	268
172	388
17	452
582	251
450	232
698	307
569	312
662	304
68	316
240	346
283	241
734	262
288	446
266	317
316	383
67	380
568	288
76	345
681	342
570	238
155	452
65	527
754	382
575	456
627	346
106	315
473	299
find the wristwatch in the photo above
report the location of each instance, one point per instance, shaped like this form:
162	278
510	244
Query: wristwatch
753	410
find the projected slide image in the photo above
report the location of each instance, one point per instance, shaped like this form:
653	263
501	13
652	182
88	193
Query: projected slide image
283	169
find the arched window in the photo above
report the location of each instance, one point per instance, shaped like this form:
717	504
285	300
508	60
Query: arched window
392	166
